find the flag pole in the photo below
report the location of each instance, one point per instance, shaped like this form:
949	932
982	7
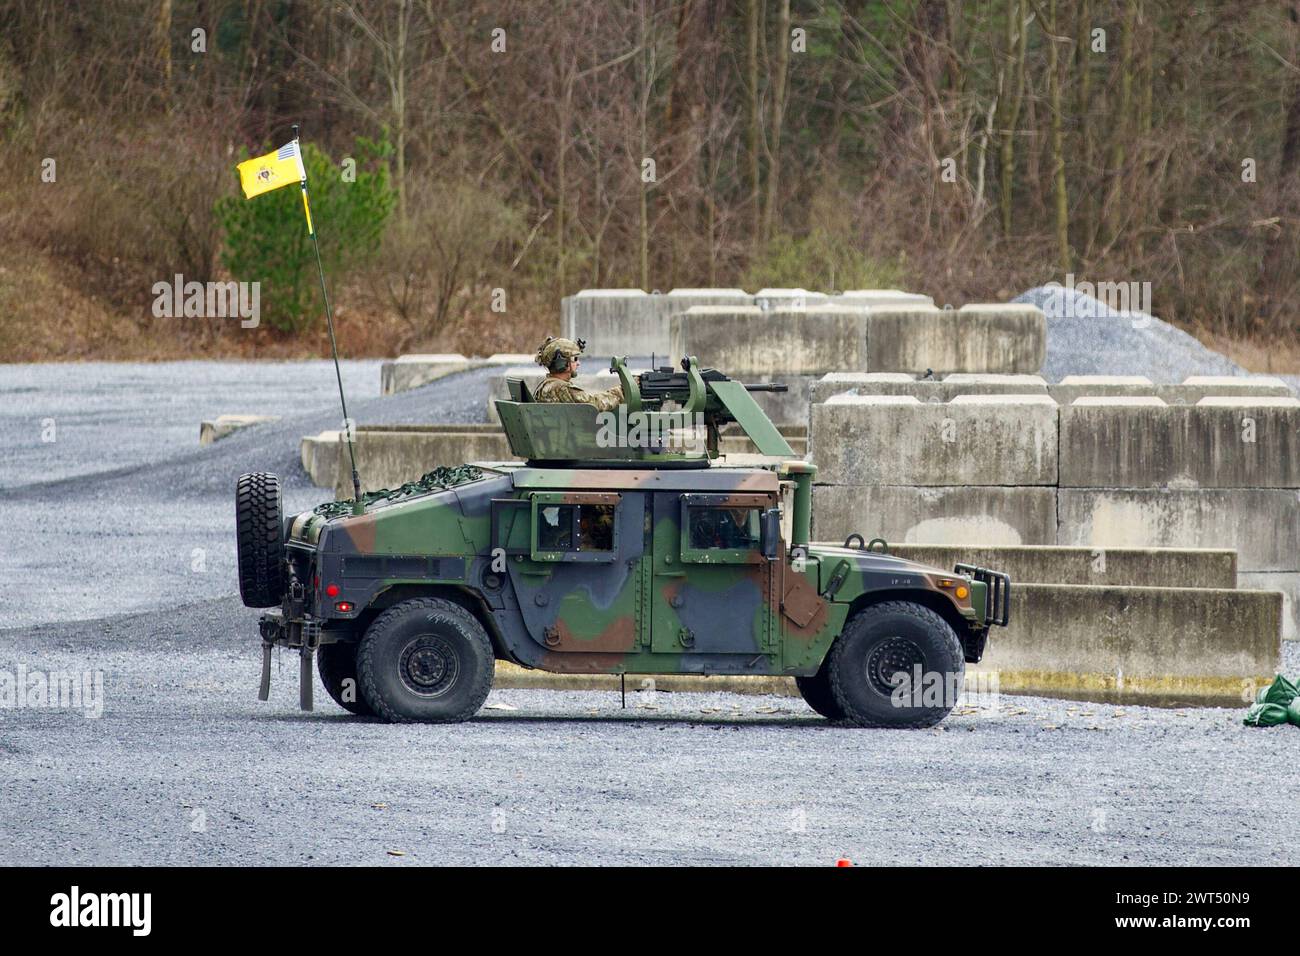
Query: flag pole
357	507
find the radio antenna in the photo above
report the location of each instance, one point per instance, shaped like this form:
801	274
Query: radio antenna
358	507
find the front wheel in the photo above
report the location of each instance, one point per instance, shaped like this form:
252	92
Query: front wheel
896	664
816	692
428	660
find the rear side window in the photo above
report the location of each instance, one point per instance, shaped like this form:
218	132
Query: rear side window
575	528
571	526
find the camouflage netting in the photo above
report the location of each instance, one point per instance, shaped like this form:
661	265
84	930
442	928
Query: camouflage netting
1278	703
435	480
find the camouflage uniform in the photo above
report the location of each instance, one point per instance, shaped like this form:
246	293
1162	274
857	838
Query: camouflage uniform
554	389
562	390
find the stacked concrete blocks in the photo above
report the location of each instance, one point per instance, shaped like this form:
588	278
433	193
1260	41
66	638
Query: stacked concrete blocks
977	469
1224	472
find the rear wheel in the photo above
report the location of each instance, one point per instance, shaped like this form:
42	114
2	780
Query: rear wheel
427	660
259	534
337	666
896	664
816	691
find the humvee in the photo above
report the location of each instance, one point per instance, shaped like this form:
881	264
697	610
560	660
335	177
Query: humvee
619	543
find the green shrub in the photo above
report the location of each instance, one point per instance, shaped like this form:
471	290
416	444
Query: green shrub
830	256
266	237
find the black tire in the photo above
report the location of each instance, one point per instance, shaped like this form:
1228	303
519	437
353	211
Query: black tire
816	691
337	666
879	642
427	660
259	530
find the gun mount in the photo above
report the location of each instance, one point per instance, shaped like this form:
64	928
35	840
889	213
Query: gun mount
668	417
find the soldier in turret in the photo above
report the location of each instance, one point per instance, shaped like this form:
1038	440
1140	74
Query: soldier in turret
560	358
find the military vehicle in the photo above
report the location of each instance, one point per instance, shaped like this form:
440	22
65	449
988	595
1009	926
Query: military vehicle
621	543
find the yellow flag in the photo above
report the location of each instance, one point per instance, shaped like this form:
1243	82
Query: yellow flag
264	173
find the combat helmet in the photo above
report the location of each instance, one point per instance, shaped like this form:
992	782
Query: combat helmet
555	354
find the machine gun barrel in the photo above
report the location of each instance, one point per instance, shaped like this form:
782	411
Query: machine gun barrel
664	384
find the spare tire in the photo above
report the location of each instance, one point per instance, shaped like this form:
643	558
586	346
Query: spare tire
259	540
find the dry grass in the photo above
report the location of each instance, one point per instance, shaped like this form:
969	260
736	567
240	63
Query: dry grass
1273	358
46	317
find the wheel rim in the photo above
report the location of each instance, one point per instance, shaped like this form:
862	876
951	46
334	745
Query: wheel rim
428	666
888	658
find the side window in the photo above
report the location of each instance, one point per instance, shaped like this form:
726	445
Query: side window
555	528
723	528
595	527
713	527
574	527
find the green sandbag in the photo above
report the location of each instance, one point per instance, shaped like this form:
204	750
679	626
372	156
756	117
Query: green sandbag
1265	715
1281	691
1293	712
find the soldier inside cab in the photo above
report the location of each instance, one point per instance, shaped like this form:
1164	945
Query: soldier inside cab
561	359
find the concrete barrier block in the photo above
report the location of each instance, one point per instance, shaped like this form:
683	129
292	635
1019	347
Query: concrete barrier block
878	298
223	425
1260	523
711	297
411	371
788	298
1237	385
1011	338
631	322
1196	387
1077	386
613	321
392	455
993	383
320	458
871	383
508	358
1129	401
983	516
1099	567
1249	401
1286	583
745	342
897	440
926	390
1133	644
1127	443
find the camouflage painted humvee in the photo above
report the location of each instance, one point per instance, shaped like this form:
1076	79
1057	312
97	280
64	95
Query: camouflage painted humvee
621	544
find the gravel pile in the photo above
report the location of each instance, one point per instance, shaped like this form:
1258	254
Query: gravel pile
1085	337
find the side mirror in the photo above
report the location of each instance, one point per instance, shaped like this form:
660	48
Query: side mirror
771	532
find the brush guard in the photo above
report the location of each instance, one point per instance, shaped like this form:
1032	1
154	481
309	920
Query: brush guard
997	607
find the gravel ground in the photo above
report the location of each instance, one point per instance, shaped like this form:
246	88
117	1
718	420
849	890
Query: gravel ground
120	415
119	559
185	766
125	510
